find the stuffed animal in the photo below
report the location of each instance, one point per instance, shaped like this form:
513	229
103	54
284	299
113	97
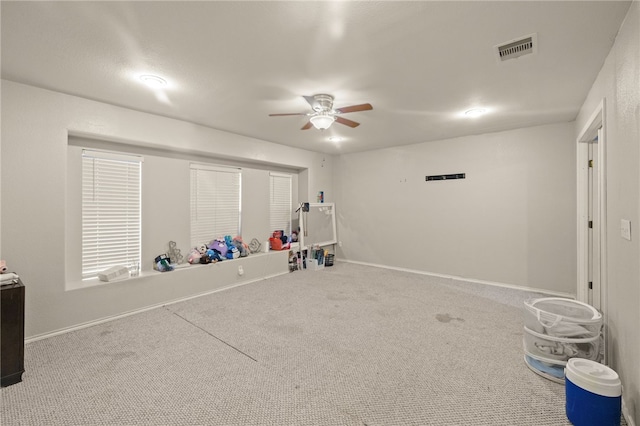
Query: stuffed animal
3	266
220	246
228	241
232	250
233	253
194	256
242	247
213	255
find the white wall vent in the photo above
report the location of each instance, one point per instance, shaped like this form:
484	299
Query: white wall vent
517	47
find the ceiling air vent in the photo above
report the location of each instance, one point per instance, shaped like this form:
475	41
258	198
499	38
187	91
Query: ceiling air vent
516	48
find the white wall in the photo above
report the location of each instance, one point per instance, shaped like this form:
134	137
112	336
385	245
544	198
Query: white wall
37	208
510	221
619	85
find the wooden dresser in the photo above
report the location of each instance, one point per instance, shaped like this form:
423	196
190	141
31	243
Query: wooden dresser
12	332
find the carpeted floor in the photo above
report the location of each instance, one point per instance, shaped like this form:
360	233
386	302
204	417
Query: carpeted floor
348	345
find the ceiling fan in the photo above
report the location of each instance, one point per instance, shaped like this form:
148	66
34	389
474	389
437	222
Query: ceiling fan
323	114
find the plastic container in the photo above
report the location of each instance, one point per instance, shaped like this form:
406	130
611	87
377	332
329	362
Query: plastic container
317	264
560	317
546	347
593	393
275	243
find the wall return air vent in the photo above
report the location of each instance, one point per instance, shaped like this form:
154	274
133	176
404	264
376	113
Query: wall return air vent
517	47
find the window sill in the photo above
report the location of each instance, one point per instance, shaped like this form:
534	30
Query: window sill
149	274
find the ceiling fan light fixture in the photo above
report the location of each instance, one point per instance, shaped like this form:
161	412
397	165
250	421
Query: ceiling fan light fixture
322	121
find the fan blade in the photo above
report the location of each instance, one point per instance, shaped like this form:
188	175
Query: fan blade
354	108
347	122
292	113
306	126
311	100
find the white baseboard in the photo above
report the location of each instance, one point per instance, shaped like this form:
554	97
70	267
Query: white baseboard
453	277
140	310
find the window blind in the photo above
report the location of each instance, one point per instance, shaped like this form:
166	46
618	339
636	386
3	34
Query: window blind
280	202
215	203
111	211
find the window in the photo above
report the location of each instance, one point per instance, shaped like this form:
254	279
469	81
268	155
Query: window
110	211
215	203
280	202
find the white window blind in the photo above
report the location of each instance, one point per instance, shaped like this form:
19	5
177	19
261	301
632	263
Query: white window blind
111	215
280	205
215	203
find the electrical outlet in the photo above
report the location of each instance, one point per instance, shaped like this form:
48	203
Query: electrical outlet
240	270
339	243
625	229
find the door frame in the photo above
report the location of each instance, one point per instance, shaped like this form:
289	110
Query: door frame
589	133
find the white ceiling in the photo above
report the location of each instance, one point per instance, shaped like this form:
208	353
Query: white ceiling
230	64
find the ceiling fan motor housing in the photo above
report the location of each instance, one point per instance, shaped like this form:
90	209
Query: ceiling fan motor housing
323	103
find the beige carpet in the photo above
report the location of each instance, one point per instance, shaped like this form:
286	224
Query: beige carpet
348	345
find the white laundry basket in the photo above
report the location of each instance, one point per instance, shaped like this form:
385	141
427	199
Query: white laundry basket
557	329
546	347
560	317
547	368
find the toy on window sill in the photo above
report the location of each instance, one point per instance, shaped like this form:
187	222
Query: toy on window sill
232	250
233	253
241	246
213	255
194	256
220	246
204	259
162	263
279	241
206	255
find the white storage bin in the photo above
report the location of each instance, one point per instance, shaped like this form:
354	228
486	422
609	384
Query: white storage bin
546	347
565	318
315	266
